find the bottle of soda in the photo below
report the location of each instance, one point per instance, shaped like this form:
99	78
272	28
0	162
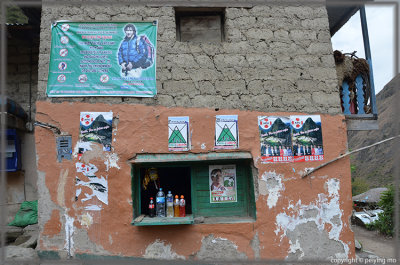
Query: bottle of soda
170	205
182	204
160	203
152	210
176	206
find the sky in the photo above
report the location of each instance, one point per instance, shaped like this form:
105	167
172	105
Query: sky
380	21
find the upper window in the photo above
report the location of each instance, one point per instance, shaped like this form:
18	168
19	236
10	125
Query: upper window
200	24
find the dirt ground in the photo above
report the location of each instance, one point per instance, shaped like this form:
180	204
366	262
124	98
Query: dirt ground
374	242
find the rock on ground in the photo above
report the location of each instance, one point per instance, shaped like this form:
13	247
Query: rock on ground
20	253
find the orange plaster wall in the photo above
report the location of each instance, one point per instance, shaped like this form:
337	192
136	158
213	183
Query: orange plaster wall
143	129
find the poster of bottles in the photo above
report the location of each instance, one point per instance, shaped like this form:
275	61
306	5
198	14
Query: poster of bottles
307	138
275	139
96	127
226	132
222	180
102	59
178	134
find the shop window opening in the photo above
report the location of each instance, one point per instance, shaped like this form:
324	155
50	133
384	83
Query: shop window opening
174	179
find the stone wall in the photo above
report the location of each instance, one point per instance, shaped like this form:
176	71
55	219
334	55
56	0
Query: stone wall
274	58
22	71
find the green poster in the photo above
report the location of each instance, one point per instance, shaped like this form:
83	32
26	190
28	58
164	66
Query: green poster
102	59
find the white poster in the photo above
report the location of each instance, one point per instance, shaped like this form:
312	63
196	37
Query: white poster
178	134
222	180
226	132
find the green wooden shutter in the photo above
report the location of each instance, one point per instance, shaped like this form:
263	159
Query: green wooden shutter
201	193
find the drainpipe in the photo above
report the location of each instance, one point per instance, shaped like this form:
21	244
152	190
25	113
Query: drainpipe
367	51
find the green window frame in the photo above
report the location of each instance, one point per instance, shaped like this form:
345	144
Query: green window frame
202	210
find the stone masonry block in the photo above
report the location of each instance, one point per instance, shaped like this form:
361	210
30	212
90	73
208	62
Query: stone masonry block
179	73
231	73
297	34
206	88
260	60
317	23
204	61
260	11
323	98
298	100
320	48
260	34
204	75
226	88
256	87
322	74
208	101
181	60
165	100
178	88
302	12
233	13
222	61
261	102
281	34
183	101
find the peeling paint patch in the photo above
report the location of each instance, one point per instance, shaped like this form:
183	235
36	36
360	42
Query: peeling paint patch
111	161
255	245
219	249
203	146
99	187
93	207
86	146
61	187
271	184
86	220
159	250
304	226
69	235
87	169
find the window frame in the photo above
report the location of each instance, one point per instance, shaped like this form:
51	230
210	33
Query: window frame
238	160
181	12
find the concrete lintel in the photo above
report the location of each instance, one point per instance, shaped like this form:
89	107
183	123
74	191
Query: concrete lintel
162	158
362	125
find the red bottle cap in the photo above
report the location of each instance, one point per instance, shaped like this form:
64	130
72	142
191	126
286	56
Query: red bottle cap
151	198
182	197
176	196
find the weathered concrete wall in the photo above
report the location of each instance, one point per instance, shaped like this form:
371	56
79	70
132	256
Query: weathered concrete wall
273	59
296	218
22	76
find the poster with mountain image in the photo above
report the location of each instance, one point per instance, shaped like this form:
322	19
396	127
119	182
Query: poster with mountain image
96	127
307	138
178	133
275	139
226	132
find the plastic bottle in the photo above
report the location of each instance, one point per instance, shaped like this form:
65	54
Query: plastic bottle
170	205
152	210
176	206
182	204
160	203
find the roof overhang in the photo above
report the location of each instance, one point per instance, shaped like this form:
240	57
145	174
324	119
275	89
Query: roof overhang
340	11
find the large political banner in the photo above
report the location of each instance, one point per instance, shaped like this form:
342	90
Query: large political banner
102	59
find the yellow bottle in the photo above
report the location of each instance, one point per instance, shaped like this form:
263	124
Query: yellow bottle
176	206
